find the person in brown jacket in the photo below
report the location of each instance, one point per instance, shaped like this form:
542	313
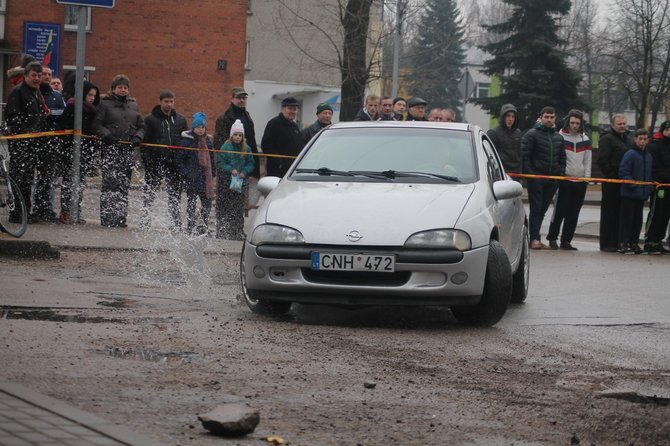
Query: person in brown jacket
120	125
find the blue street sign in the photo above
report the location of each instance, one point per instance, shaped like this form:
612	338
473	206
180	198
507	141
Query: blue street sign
93	3
42	40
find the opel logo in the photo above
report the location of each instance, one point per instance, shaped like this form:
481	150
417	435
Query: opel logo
354	236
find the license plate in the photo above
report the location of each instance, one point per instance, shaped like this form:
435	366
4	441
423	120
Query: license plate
353	262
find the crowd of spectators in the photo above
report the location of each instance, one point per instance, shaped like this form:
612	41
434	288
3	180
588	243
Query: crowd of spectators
218	169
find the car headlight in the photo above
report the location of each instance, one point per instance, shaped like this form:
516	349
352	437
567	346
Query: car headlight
275	234
440	238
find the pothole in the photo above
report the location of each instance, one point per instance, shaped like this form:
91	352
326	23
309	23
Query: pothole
149	355
54	316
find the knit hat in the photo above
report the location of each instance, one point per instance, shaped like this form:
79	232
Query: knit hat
323	106
664	125
26	59
237	127
120	79
199	119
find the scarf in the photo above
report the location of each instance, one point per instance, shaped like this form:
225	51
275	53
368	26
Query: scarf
205	163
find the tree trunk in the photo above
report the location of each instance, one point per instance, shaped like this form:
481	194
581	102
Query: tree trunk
355	21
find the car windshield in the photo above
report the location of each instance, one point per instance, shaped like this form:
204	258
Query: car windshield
390	154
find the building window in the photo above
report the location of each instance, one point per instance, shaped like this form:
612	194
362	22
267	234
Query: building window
247	51
249	12
88	71
71	14
483	90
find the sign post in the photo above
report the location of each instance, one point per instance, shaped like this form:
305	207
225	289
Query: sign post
79	97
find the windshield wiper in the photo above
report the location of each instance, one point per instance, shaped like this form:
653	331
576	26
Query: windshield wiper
393	174
325	171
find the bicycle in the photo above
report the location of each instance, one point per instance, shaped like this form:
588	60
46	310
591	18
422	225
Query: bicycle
13	212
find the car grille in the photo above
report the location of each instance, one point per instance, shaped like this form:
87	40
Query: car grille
359	278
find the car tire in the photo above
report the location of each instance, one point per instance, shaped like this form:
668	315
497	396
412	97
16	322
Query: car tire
521	277
497	291
256	304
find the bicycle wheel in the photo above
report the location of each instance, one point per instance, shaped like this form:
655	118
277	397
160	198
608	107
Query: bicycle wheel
13	213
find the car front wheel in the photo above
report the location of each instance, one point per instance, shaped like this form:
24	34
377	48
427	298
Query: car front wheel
497	291
258	305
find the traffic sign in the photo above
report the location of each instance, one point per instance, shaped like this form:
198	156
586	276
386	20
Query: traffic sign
93	3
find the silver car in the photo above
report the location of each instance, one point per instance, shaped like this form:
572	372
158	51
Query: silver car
390	213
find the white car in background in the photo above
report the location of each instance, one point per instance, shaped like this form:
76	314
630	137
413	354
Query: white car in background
391	213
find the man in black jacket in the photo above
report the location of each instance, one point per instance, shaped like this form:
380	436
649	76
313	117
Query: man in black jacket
542	154
659	215
610	152
507	139
282	137
26	112
163	126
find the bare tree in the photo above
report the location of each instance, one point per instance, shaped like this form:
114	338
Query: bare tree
354	46
640	51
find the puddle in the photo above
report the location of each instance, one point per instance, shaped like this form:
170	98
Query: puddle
53	316
149	355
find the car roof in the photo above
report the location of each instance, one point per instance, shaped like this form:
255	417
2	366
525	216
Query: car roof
407	124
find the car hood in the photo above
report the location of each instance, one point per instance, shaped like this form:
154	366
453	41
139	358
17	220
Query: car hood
382	213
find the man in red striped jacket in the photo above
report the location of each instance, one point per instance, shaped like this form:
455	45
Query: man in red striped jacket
571	193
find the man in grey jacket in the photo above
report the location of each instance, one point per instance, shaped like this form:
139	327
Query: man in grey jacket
324	117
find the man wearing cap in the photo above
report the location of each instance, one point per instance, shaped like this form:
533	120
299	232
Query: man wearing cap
282	137
237	110
164	127
416	109
120	125
324	117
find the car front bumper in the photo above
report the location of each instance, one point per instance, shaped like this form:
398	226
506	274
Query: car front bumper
421	277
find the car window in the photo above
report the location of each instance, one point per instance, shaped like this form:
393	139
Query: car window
493	168
433	151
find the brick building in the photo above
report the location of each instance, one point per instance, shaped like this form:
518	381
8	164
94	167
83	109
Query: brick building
157	43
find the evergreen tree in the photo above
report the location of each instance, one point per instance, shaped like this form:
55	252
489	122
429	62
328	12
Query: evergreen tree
528	61
438	55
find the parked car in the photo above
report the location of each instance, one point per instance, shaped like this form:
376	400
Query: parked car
390	213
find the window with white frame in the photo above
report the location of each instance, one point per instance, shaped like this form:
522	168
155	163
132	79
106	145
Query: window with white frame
71	16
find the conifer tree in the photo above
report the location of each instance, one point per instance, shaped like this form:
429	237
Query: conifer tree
532	69
438	55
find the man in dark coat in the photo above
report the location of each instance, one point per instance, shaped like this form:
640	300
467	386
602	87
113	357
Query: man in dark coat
507	139
282	137
324	117
26	112
120	125
371	110
611	149
163	126
659	213
542	154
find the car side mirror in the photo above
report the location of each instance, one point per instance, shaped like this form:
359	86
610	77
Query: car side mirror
506	189
267	185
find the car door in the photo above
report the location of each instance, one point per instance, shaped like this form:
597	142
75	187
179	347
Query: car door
505	213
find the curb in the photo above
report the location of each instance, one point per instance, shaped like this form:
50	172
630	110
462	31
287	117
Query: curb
29	249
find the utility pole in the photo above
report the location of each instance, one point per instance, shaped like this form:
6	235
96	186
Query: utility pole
396	47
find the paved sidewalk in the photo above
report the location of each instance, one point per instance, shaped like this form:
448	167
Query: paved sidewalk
28	418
